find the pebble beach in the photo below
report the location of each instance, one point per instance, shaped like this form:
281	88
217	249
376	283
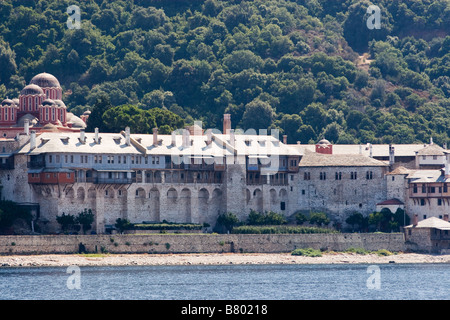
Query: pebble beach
55	260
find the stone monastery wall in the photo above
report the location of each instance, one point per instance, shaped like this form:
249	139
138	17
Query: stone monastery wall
197	243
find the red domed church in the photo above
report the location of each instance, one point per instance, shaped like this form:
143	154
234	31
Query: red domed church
39	108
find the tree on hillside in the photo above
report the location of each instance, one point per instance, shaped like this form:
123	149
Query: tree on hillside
120	117
95	120
8	65
257	115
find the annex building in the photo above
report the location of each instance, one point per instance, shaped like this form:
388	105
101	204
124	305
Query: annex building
193	175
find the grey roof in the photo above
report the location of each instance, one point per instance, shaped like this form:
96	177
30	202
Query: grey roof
68	142
378	150
426	176
313	159
432	222
31	89
45	80
114	143
431	150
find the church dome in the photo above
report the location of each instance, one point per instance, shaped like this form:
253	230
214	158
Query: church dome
60	104
45	80
48	102
7	102
31	89
324	141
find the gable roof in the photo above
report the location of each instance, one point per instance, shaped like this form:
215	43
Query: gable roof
432	222
431	150
313	159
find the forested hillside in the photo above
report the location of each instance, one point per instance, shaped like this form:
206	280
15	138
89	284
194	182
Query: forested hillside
310	68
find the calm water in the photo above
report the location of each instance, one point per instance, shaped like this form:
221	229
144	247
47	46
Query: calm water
230	282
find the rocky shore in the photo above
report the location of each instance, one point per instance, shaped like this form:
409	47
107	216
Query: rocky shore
55	260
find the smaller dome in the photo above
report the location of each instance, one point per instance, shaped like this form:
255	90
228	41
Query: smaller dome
31	89
87	112
50	127
16	101
324	141
48	102
60	104
75	121
7	102
45	80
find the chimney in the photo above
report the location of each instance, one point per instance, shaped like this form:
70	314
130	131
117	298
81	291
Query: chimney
155	136
285	139
417	160
185	138
431	140
127	136
232	138
391	155
198	131
415	220
360	149
447	166
370	150
226	123
33	140
82	136
174	139
26	127
96	136
446	217
208	137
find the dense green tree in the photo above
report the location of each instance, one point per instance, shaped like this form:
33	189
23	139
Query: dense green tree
95	119
8	65
201	59
257	115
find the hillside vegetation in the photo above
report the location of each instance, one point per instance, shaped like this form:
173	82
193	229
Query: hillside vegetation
310	68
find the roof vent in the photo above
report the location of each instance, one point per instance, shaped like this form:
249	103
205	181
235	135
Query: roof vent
117	139
64	139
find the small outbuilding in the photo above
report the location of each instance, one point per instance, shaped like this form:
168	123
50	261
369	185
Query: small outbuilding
430	235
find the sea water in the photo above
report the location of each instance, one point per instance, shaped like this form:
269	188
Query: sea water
229	282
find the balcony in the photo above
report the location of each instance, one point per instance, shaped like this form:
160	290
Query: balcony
98	180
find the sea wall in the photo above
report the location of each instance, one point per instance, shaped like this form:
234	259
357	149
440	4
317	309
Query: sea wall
196	243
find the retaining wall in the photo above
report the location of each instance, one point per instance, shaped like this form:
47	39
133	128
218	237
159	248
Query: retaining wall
197	243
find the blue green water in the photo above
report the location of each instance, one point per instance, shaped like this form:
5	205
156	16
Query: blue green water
229	282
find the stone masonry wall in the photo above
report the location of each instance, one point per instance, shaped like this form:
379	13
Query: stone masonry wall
198	243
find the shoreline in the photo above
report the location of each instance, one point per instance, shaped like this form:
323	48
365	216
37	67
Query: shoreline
65	260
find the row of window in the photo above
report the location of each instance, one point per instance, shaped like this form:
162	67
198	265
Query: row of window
100	159
338	175
423	202
426	189
4	115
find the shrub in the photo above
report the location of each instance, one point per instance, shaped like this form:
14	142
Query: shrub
300	218
319	218
65	220
383	252
166	226
122	224
308	252
357	250
227	221
270	218
279	230
85	218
